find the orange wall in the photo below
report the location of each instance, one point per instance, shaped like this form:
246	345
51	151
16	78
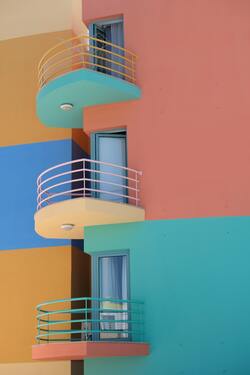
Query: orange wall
192	123
29	277
18	74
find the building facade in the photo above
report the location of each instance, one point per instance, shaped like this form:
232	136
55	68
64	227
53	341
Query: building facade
135	168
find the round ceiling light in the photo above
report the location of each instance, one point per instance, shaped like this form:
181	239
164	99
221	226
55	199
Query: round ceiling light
66	106
67	227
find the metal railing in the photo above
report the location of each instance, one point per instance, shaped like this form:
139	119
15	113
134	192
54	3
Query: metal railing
90	319
86	52
88	178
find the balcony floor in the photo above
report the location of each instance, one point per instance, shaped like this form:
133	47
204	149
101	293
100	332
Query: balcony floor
82	88
83	212
88	349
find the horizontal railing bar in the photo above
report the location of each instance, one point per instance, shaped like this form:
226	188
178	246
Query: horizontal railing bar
84	37
87	180
58	322
88	189
88	47
42	77
57	340
91	171
72	171
78	311
82	54
89	161
94	299
58	332
51	77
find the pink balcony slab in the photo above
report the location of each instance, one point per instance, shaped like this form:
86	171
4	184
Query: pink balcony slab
84	349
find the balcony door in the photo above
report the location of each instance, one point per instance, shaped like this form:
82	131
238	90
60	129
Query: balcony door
111	286
105	55
110	182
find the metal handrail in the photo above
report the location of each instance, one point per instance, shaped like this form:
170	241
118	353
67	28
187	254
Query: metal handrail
92	178
90	320
82	52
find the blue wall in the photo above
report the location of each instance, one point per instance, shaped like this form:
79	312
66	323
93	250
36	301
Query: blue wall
194	278
20	166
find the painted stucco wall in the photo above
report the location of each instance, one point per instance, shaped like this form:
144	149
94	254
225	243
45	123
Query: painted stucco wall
19	86
192	122
29	17
193	276
27	278
20	166
36	368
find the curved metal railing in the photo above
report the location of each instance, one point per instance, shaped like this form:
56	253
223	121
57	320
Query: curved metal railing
86	52
88	178
90	319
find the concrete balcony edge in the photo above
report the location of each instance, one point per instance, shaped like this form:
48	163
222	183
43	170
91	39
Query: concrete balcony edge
84	349
83	212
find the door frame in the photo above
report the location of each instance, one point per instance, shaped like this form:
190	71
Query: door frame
94	153
95	286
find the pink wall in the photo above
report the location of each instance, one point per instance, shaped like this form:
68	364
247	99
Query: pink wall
190	132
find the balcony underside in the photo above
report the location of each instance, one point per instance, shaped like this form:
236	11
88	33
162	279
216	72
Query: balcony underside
82	88
83	212
84	349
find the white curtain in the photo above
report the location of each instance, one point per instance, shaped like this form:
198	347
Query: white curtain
117	38
113	277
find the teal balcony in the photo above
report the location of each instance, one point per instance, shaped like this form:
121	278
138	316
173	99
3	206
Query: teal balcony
81	72
78	328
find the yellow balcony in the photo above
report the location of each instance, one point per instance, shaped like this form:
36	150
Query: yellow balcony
80	72
86	192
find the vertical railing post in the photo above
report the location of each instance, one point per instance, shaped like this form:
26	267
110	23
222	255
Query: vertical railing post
133	67
38	192
136	188
84	177
85	320
38	328
48	329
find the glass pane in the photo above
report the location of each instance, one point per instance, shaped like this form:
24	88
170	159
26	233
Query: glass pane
113	285
112	150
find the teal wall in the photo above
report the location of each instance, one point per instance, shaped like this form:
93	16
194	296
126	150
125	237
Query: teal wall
194	278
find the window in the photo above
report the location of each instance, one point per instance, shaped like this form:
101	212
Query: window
111	285
110	181
105	55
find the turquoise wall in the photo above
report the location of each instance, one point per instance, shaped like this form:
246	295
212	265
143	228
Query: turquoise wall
194	278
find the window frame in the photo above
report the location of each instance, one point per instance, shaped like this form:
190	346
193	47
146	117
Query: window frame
94	153
95	286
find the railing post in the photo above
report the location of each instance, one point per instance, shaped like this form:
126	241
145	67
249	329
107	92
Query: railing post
85	320
84	186
38	330
136	188
48	329
133	67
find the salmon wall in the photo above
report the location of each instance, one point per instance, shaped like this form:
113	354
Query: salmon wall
192	122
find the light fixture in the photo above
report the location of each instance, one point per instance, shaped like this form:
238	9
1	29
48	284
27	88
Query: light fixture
66	106
67	227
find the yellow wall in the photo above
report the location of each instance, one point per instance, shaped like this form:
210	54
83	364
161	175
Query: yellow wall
27	278
36	368
29	17
18	76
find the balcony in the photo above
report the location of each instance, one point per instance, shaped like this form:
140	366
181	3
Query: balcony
86	192
80	72
79	328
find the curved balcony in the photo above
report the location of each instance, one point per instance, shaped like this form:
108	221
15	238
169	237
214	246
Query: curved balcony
86	192
79	328
79	72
